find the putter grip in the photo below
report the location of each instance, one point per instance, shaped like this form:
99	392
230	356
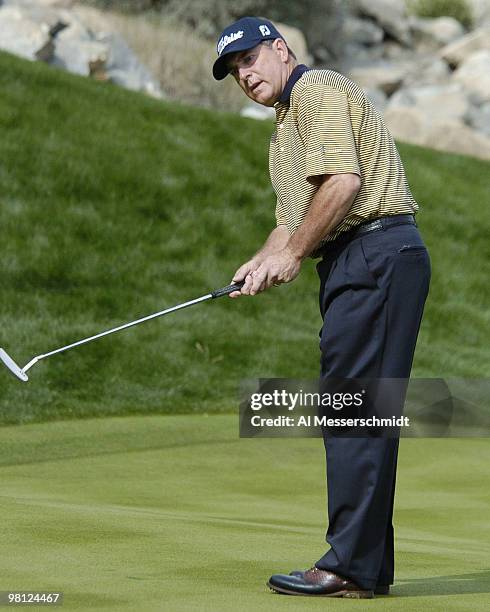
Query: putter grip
228	289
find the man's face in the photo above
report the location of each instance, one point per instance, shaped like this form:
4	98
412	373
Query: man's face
261	72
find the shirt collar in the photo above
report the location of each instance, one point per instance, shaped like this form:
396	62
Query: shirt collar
295	75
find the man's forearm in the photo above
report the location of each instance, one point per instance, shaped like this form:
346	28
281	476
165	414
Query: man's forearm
277	240
329	206
279	260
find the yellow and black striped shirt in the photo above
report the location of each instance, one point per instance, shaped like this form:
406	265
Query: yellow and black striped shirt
325	124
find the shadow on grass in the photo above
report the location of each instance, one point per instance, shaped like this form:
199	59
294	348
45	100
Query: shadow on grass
454	584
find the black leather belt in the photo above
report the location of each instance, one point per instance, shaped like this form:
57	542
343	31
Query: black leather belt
383	223
370	226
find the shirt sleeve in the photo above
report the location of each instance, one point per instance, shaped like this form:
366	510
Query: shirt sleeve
280	214
325	127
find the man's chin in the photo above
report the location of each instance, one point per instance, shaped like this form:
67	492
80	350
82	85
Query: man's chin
263	100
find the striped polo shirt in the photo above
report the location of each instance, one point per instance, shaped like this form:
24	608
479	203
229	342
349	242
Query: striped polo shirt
325	124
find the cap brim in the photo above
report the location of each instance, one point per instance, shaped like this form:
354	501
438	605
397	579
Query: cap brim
220	67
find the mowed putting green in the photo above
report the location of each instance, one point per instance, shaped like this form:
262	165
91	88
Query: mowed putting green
178	513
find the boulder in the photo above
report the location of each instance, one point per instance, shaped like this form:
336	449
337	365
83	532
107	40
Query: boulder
296	41
21	35
428	70
435	33
76	50
435	102
394	51
390	15
377	97
40	13
39	3
406	123
480	10
385	76
361	31
478	118
411	125
458	51
474	75
104	56
124	68
458	138
356	55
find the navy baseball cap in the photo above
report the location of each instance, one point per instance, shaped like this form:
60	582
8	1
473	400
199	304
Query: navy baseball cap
246	33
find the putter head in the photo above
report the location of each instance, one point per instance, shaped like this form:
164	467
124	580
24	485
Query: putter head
12	366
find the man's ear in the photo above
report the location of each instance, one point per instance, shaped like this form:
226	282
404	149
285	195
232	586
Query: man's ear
281	48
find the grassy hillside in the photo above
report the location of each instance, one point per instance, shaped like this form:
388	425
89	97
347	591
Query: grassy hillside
113	206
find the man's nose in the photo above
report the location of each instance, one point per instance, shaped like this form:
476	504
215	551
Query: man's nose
244	74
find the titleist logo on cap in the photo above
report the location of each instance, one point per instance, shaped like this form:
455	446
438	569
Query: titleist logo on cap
226	40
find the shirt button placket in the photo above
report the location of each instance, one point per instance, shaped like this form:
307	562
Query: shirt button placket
281	148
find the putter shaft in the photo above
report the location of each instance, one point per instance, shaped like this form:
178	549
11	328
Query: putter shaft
21	372
116	329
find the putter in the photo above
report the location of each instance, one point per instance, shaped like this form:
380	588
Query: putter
20	373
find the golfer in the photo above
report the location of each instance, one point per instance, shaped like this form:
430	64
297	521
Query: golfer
342	196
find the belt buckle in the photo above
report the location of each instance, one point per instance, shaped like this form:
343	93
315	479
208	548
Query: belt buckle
371	226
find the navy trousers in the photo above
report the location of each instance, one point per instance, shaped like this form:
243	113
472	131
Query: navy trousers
373	289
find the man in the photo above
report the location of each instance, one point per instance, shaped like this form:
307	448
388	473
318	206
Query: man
342	195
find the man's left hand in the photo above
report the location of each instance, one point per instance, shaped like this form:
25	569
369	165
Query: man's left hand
280	267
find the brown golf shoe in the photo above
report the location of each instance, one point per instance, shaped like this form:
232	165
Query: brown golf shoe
319	583
379	589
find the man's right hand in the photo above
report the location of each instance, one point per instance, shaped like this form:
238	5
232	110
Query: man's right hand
276	241
244	272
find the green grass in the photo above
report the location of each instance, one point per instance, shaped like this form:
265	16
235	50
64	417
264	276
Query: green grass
176	513
114	205
458	9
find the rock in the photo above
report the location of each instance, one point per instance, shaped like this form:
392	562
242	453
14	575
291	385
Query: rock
435	102
411	125
394	51
385	76
76	50
377	97
429	70
39	13
390	15
361	31
24	37
124	68
42	4
406	123
480	10
296	41
434	33
39	3
257	111
356	55
323	55
103	56
458	51
479	118
415	68
458	138
474	75
321	24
